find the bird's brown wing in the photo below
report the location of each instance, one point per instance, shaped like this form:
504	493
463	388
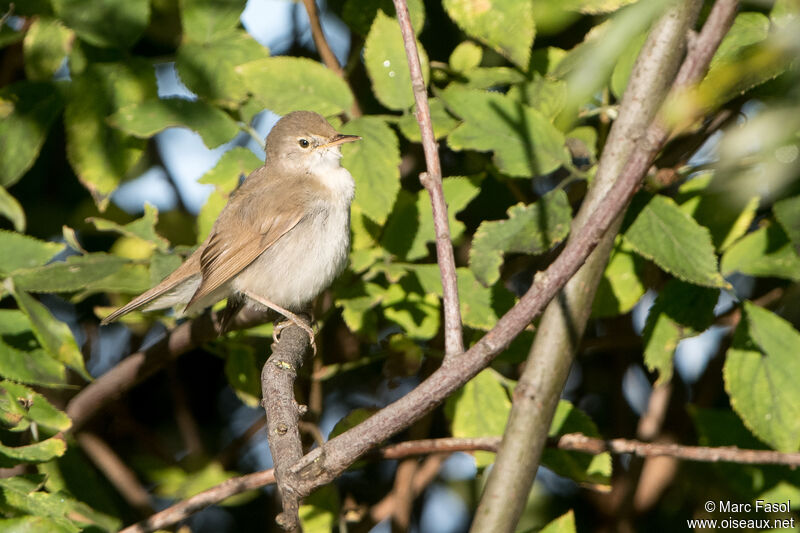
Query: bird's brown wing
240	237
182	274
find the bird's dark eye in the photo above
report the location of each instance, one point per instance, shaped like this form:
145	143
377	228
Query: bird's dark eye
303	143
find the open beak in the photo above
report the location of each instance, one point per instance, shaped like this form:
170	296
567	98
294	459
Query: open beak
340	138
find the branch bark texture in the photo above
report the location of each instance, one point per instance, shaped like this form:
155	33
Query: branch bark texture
283	413
564	321
432	181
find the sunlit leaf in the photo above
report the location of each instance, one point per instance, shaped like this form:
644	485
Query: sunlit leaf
320	510
100	154
28	252
767	252
21	357
54	335
530	229
761	373
387	66
479	409
46	44
145	119
208	68
28	110
563	524
105	23
505	25
143	229
658	230
524	142
373	161
36	407
11	209
359	14
234	164
285	84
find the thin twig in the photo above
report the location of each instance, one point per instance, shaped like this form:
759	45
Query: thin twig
283	414
117	472
324	49
576	442
181	510
432	181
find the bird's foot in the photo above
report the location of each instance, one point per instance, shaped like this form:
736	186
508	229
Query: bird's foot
299	322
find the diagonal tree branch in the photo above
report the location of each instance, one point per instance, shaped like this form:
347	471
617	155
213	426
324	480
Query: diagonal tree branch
432	181
557	339
323	464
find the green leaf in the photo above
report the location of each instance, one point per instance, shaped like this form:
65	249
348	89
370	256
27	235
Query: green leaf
479	409
205	21
546	95
787	212
37	409
356	303
243	375
621	286
285	84
12	210
359	14
767	252
38	452
387	66
208	214
101	155
142	229
505	25
22	495
443	123
761	373
129	279
715	203
466	56
46	44
27	109
145	119
373	162
28	252
563	524
410	226
524	142
680	311
21	357
480	305
209	68
163	264
580	467
233	164
624	67
418	314
530	229
320	510
76	273
9	35
33	524
658	230
491	77
748	28
54	335
105	23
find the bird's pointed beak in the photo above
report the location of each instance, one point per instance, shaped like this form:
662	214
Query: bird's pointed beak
341	138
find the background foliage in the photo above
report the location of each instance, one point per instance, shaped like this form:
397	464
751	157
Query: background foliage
522	97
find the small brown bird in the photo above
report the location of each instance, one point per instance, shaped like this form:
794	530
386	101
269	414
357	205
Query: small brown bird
283	236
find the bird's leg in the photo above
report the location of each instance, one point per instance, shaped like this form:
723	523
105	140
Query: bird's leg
286	313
